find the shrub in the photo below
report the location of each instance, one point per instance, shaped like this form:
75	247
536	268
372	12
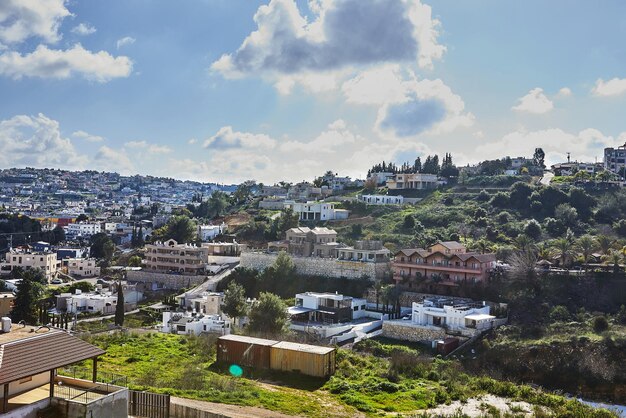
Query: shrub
620	227
532	229
600	324
483	196
559	313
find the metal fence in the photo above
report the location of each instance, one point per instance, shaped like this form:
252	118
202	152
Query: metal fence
146	404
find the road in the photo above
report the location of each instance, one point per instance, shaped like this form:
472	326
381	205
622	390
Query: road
547	178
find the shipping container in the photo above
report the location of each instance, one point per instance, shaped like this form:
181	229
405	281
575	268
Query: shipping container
447	345
244	351
307	359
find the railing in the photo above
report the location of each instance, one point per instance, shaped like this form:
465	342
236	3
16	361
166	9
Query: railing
147	404
81	395
76	372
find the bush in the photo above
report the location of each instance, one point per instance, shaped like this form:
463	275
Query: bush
600	324
559	313
532	229
483	196
620	227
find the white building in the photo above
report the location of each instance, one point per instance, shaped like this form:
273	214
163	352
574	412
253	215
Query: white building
413	181
186	323
452	314
208	303
329	308
317	211
379	199
381	177
96	302
209	232
82	267
83	229
46	261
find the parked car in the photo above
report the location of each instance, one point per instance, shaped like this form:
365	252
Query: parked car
56	281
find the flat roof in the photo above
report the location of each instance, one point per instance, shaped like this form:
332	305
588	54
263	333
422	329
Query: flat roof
305	348
247	340
479	317
295	310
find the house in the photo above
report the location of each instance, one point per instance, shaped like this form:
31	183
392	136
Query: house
6	303
185	323
327	308
307	242
377	199
208	303
83	229
172	257
25	258
82	267
97	302
317	211
447	262
209	232
225	249
380	178
452	314
412	181
29	375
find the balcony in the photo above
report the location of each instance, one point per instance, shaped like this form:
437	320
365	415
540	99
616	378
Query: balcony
438	267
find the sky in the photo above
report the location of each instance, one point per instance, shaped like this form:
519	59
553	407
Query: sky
230	90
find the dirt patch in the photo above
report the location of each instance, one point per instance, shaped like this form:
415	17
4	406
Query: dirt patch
478	407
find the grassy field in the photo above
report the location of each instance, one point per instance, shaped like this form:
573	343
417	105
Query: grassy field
377	380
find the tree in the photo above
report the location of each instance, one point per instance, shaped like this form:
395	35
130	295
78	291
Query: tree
101	246
234	301
283	267
532	229
217	204
409	222
269	316
586	244
134	261
119	308
539	158
179	228
600	324
29	290
614	257
605	243
523	269
57	236
564	249
244	191
81	218
567	214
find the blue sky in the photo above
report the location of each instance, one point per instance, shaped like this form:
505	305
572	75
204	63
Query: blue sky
228	90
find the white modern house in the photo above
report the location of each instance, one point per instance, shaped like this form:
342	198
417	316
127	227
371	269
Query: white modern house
317	211
209	232
452	314
83	229
186	324
96	302
379	199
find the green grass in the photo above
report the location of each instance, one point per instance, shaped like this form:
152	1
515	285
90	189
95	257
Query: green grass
376	380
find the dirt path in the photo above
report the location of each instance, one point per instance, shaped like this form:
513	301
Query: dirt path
230	411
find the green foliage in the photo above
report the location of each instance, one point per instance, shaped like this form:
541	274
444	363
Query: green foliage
29	290
119	307
234	301
134	261
179	228
532	229
559	313
268	316
600	324
101	246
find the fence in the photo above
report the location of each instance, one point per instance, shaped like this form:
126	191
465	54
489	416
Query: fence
146	404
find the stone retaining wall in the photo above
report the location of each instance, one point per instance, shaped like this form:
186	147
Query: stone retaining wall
406	331
312	266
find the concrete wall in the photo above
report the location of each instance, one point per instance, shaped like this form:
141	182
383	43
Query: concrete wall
312	266
28	411
184	411
164	280
406	331
114	405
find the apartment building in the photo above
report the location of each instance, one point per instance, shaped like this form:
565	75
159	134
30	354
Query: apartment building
210	232
412	181
172	257
25	258
615	159
364	251
317	211
83	229
447	262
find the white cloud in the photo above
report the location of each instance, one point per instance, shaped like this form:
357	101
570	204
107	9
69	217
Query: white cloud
146	146
585	145
375	86
342	34
87	136
192	141
49	63
564	92
84	29
336	136
109	159
23	19
126	40
36	141
226	138
534	102
613	87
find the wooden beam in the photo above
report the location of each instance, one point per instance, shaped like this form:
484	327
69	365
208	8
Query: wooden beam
94	372
51	383
5	400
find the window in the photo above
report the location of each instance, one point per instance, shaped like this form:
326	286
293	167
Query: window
356	308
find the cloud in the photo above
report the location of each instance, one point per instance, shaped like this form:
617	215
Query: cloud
585	145
342	34
564	92
49	63
126	40
23	19
87	136
36	141
226	138
151	148
192	141
336	136
534	102
411	117
109	159
83	29
613	87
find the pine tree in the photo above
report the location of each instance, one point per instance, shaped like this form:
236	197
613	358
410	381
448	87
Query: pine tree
119	308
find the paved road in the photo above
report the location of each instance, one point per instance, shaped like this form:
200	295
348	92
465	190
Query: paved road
547	178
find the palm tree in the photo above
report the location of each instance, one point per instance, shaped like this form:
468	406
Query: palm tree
482	246
605	243
523	269
544	252
614	257
524	243
586	245
564	249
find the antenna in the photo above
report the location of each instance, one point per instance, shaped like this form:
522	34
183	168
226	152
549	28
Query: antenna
568	156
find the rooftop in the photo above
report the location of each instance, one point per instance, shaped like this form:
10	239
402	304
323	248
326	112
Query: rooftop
305	348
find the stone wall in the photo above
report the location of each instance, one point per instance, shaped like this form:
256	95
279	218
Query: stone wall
407	331
312	266
164	280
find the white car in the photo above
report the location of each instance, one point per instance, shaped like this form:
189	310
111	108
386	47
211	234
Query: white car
56	281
